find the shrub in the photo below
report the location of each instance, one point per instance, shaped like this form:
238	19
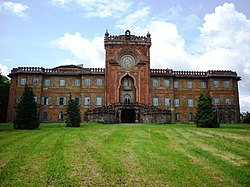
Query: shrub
73	118
26	111
206	116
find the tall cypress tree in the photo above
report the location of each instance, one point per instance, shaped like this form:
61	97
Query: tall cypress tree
26	111
73	118
206	116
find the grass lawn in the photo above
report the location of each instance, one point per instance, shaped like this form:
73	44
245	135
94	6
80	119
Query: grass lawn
125	155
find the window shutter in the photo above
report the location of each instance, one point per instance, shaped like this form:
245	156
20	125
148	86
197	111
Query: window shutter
64	101
49	100
42	100
58	100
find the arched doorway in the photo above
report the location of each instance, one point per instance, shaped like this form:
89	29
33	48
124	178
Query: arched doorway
127	90
128	116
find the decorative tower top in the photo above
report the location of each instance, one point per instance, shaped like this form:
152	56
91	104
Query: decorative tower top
106	35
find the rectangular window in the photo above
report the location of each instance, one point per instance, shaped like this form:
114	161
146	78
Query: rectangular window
190	117
35	98
46	100
62	82
228	101
203	84
78	100
23	81
226	84
35	81
87	101
167	102
176	84
155	101
177	102
98	101
190	103
155	83
87	82
167	83
47	82
216	84
216	101
189	84
98	82
177	116
61	101
77	82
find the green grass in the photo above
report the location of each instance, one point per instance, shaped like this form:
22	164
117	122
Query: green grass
125	155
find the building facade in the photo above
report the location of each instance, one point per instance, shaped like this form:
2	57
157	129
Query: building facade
126	90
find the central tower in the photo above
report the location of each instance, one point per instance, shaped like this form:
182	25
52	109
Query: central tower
127	68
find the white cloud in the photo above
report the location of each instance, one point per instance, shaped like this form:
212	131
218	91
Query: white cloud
132	20
4	70
225	43
15	8
88	52
244	103
97	8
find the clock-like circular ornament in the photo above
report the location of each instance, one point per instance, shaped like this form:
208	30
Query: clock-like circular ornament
127	61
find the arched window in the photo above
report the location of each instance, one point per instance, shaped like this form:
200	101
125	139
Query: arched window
127	99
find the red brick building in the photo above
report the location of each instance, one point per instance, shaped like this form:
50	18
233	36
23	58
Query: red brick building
127	90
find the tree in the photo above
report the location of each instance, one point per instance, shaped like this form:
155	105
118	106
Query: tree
4	97
245	117
73	118
206	116
26	111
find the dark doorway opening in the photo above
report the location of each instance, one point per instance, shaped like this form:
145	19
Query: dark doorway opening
128	116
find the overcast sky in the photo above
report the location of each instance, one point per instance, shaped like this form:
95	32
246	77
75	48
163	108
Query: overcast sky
186	35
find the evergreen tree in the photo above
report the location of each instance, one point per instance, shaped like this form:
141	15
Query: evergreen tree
4	95
73	118
206	116
26	111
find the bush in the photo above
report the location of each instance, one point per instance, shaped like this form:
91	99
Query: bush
26	111
245	117
206	116
73	114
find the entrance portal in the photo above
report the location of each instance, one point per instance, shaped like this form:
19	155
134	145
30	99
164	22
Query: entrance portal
128	116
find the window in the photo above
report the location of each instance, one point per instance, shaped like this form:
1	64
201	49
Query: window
177	102
35	81
46	100
87	101
99	101
78	100
35	98
98	82
77	82
62	82
203	84
228	101
155	101
176	84
60	115
190	103
23	81
189	84
87	82
226	84
155	83
45	115
61	101
190	116
167	102
47	82
167	83
216	101
177	116
216	84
